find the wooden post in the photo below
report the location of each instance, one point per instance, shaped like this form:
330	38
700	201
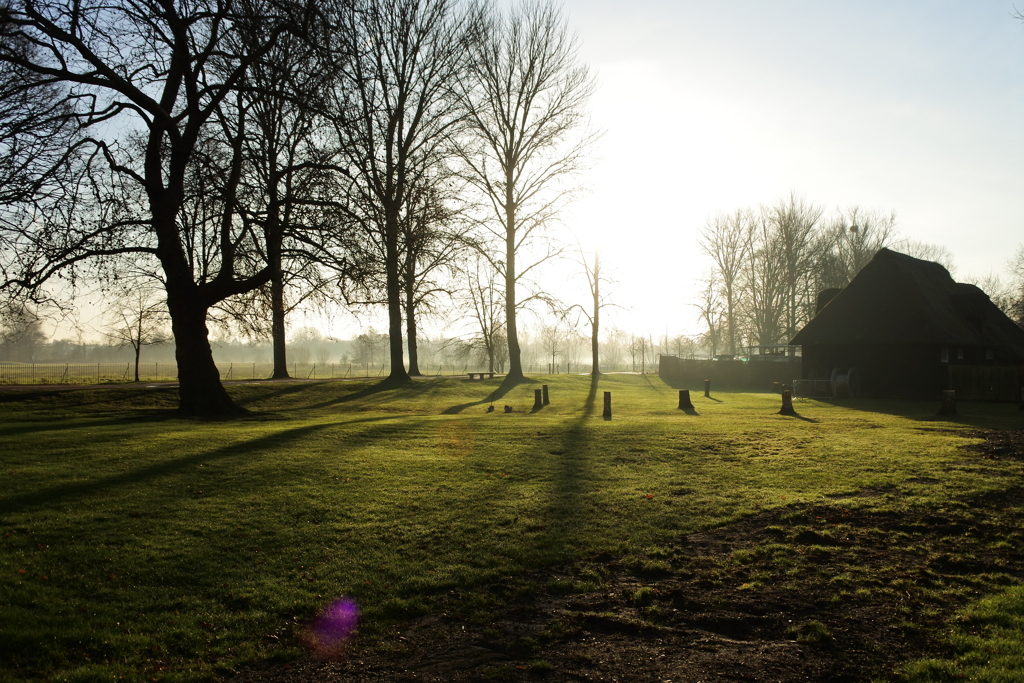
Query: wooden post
787	403
538	400
948	402
707	388
608	404
684	400
545	391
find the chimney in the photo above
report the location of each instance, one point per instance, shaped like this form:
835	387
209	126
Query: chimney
824	296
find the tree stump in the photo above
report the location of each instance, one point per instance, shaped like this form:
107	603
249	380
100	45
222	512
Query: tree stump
787	403
684	400
948	402
544	389
538	400
608	404
707	388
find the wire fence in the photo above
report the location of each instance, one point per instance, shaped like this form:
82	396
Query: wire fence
107	373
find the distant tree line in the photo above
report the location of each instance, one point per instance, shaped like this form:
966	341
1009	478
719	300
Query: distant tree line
252	156
769	263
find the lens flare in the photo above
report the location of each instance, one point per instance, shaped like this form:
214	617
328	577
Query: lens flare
334	627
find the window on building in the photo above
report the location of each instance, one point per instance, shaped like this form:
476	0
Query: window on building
944	355
959	354
990	354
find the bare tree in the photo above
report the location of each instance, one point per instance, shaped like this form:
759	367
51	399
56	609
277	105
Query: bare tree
137	317
487	311
396	115
928	252
710	307
553	341
845	243
435	242
21	331
725	240
526	95
286	177
1016	285
793	222
764	283
598	301
157	71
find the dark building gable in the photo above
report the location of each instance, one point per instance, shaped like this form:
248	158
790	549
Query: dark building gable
901	323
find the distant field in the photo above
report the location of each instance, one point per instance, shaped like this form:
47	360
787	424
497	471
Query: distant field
138	546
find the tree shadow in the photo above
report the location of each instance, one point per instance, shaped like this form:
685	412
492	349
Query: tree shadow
500	391
799	417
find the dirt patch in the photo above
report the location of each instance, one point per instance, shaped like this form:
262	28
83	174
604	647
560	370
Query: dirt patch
820	592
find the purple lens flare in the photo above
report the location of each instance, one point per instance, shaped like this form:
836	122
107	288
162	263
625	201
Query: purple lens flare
334	627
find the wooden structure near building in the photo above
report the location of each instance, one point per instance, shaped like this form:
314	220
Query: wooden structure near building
904	328
730	374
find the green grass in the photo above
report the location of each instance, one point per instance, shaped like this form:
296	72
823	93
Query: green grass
138	545
985	643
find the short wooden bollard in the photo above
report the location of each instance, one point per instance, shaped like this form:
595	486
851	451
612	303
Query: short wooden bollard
787	403
707	388
607	404
538	401
684	400
948	402
544	389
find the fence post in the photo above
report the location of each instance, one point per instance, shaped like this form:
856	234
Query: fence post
948	402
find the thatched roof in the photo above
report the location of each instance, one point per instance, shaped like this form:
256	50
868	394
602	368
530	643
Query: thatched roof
898	299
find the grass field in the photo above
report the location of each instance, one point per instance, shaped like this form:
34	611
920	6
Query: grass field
138	546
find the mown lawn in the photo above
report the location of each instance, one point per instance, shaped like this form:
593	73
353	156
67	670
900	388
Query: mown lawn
137	545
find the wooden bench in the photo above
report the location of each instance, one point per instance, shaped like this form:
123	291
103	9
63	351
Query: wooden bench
473	375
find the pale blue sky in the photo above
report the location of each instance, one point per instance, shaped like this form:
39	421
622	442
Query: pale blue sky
914	107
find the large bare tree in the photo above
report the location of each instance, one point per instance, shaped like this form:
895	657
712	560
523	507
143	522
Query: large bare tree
144	79
526	93
397	115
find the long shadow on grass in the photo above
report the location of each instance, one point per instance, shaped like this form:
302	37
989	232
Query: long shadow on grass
499	392
977	414
569	477
47	424
66	492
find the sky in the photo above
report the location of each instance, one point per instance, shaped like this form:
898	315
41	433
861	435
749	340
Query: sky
913	107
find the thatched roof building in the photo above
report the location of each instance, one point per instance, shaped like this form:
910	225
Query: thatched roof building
900	325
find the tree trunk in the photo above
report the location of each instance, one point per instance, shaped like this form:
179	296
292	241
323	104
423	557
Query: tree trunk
398	375
138	352
596	326
410	327
277	323
410	317
201	393
515	363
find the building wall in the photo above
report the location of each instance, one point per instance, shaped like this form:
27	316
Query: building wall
904	371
